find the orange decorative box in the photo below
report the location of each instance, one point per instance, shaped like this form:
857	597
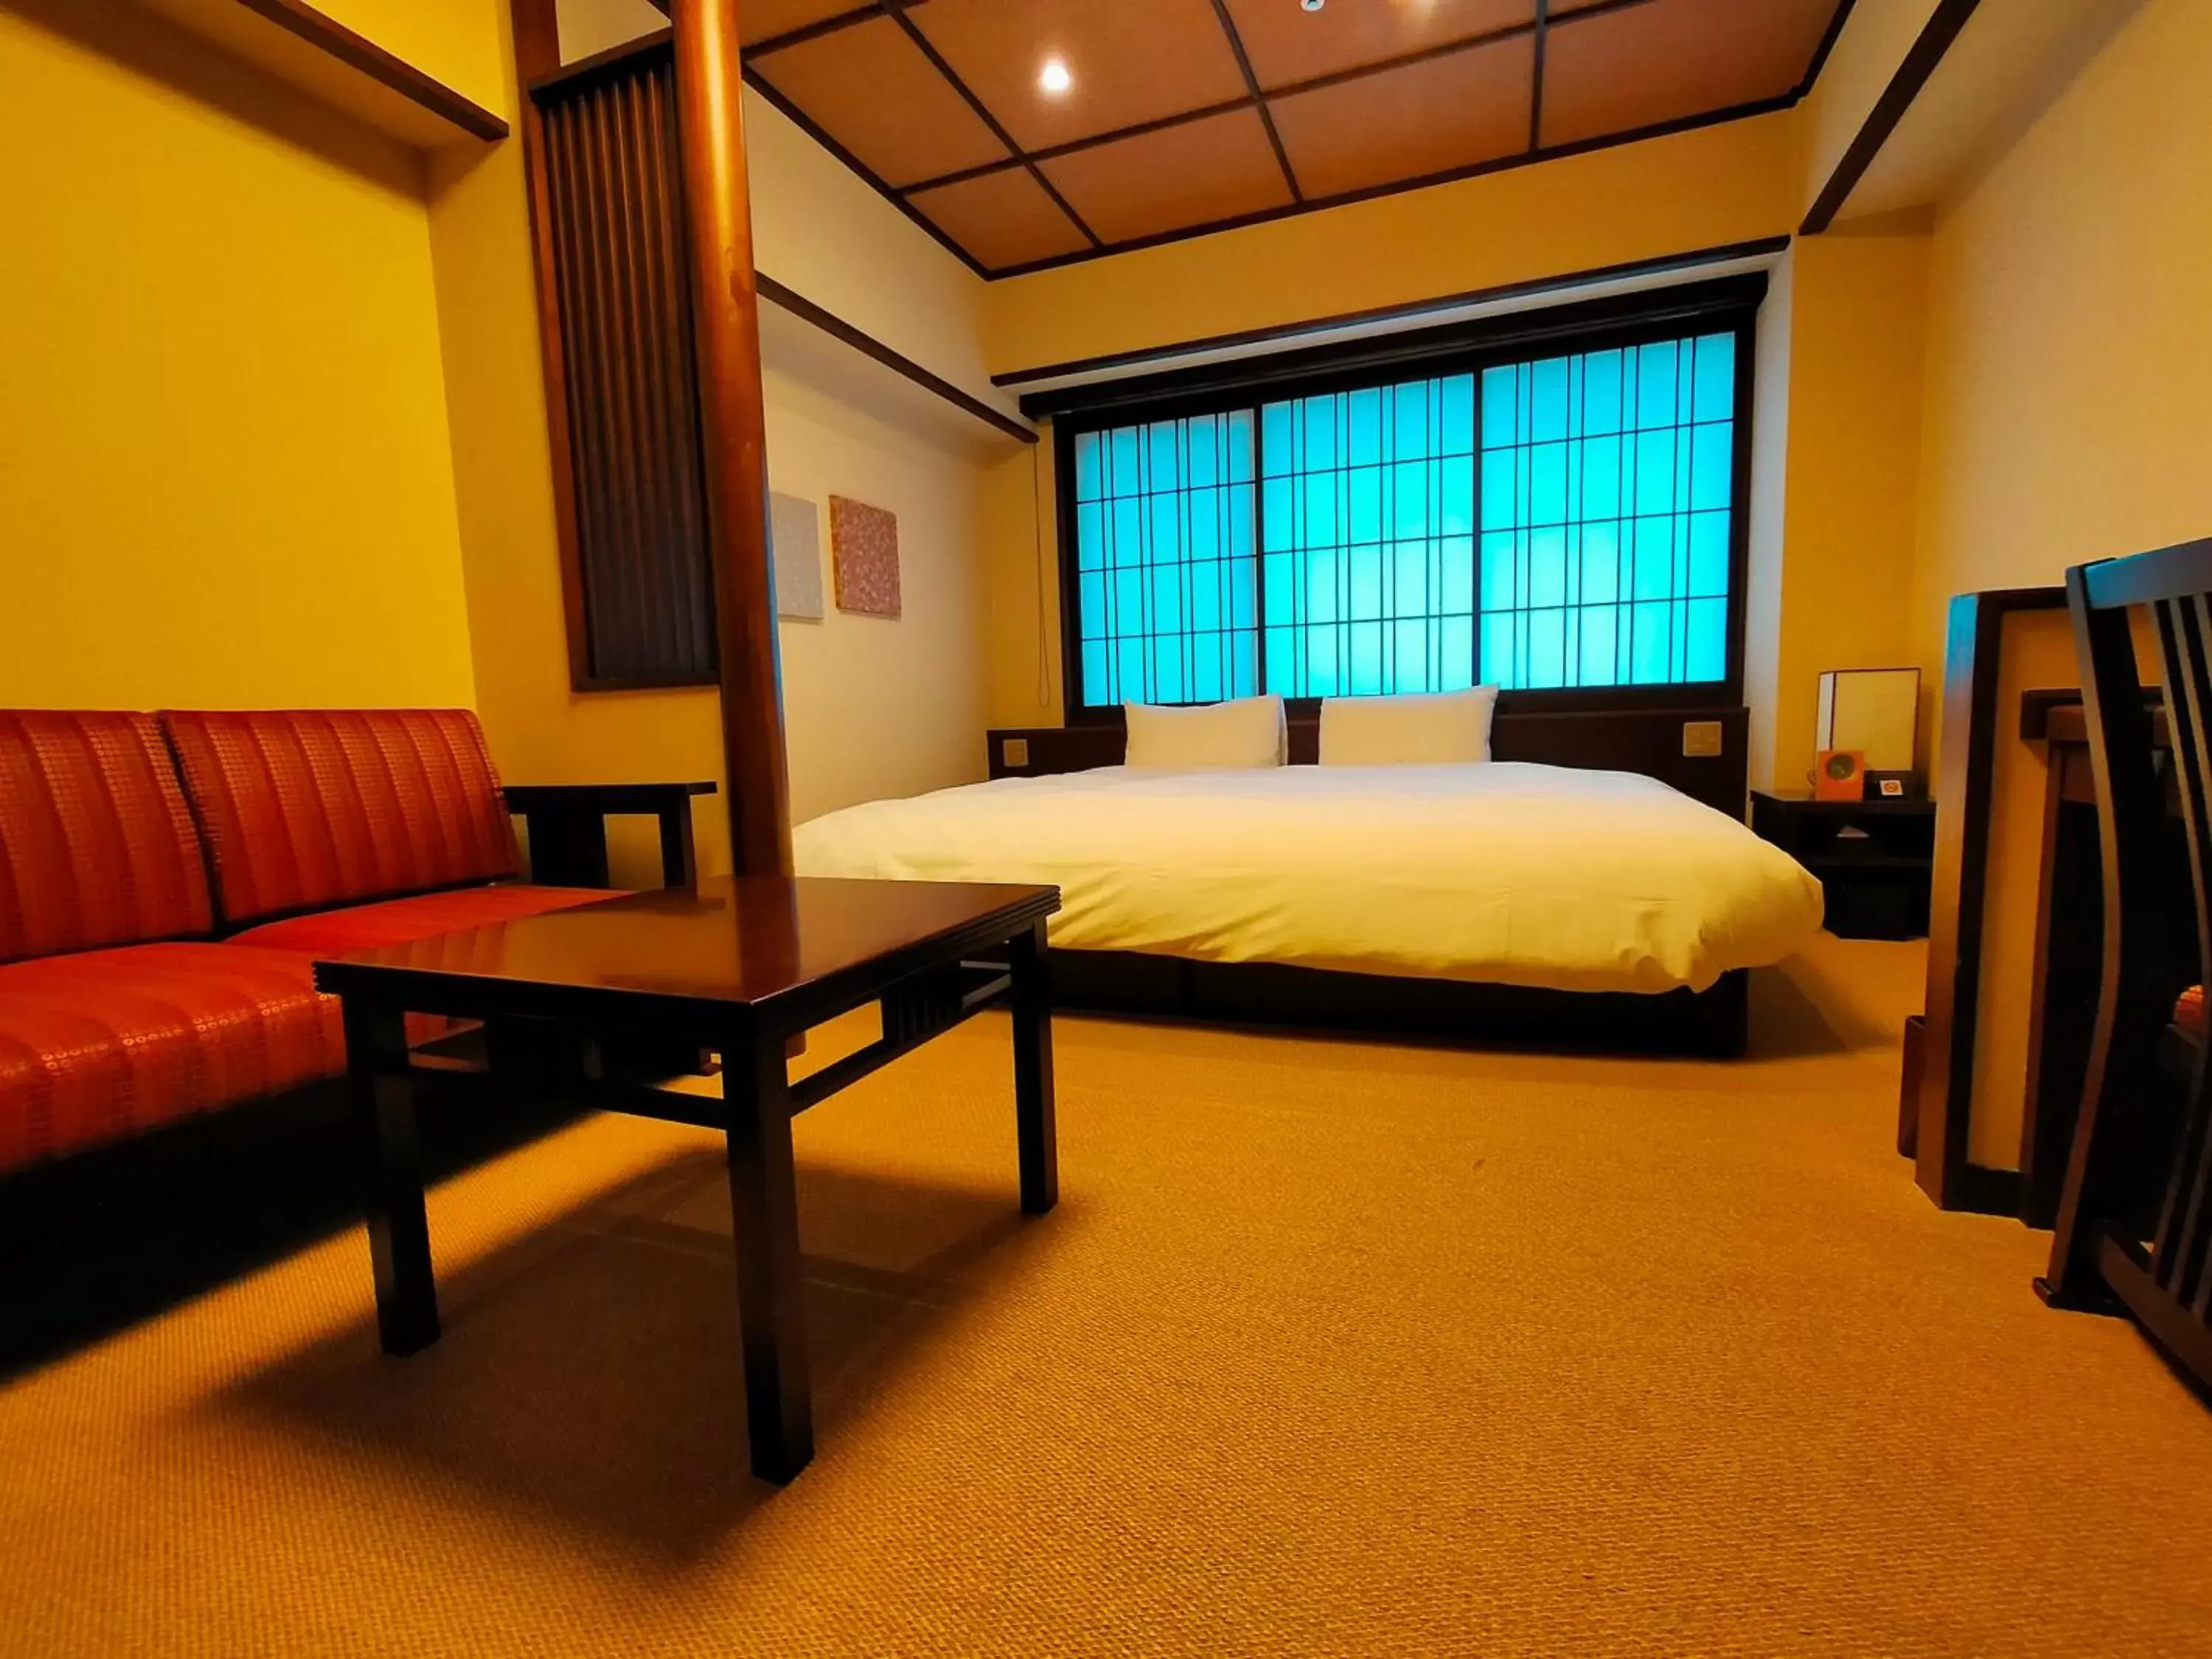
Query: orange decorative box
1839	775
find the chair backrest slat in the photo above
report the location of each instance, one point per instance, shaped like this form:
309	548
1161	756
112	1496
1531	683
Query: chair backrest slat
2182	634
2119	1129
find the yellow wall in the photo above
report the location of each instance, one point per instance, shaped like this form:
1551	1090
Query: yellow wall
1839	554
1021	583
224	471
1852	460
1717	184
2068	393
272	431
874	707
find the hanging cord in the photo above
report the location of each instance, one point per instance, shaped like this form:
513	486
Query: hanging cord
1037	525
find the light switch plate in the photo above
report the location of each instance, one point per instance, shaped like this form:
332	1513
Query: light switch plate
1701	737
1015	752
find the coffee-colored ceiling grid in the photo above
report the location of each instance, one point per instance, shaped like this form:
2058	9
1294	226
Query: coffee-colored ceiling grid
1185	116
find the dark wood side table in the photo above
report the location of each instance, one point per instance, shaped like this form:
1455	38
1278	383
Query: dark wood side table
1874	858
737	965
567	825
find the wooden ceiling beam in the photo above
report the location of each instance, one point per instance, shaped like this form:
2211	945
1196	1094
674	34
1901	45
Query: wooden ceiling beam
1021	159
1259	102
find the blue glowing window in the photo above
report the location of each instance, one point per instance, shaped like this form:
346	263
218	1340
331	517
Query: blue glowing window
1608	485
1565	522
1367	540
1165	571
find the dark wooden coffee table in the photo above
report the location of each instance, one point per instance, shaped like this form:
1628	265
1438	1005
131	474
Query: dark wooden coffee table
738	966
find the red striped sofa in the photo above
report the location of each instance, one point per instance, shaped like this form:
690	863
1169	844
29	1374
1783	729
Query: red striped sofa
166	883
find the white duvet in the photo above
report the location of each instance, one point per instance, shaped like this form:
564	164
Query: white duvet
1505	872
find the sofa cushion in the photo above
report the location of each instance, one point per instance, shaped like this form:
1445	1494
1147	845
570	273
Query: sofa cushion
396	922
96	845
107	1044
303	811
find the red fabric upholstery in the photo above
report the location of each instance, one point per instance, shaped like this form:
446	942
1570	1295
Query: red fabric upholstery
303	809
102	1045
96	845
396	922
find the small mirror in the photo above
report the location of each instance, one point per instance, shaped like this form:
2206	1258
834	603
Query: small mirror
1875	711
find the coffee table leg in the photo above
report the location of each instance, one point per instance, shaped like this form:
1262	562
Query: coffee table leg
764	1214
1035	1128
399	1230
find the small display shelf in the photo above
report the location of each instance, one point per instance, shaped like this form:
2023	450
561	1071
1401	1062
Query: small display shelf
1874	858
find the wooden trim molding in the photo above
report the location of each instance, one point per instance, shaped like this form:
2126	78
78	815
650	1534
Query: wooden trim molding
1724	300
1973	652
320	30
838	328
1934	39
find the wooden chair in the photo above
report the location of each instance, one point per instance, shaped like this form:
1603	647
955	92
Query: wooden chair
2110	1242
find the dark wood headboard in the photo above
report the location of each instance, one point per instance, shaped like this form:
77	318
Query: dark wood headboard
1656	742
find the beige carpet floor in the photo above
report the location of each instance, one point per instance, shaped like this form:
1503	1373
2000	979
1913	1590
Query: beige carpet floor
1331	1348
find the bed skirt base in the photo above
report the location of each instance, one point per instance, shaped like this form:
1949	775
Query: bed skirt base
1713	1023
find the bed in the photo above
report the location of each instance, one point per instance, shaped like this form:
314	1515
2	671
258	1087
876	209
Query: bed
1518	897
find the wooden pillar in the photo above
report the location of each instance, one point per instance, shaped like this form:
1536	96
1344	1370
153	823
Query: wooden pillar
710	121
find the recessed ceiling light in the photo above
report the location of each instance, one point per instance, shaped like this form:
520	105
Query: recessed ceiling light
1054	77
1311	5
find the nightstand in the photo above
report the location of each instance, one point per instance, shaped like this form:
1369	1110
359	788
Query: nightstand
1874	858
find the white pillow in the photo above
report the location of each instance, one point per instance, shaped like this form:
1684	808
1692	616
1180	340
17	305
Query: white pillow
1212	737
1423	729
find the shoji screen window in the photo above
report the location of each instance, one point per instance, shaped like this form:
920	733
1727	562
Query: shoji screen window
1555	509
1166	571
1368	538
1607	484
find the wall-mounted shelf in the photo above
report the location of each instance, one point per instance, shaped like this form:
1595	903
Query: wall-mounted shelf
315	52
910	374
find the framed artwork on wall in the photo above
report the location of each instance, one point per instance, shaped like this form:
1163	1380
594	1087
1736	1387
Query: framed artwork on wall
794	534
864	544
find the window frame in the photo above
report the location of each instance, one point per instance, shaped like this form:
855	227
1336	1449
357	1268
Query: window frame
1728	305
